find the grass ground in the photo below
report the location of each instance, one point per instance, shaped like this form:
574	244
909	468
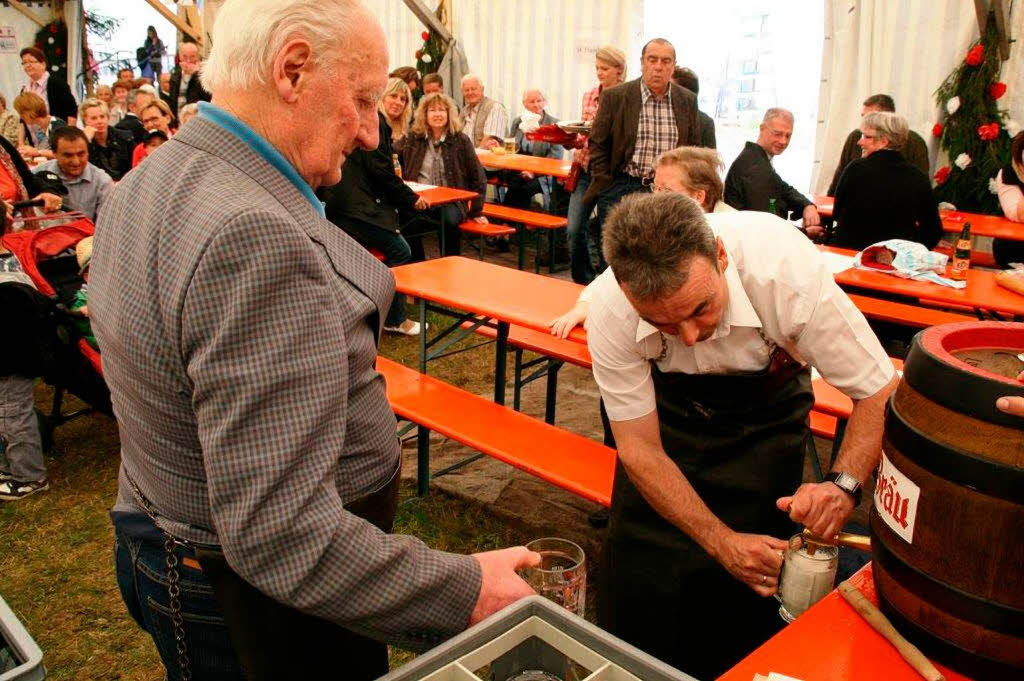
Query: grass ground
56	565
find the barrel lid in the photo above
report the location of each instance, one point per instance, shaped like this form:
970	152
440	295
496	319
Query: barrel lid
935	367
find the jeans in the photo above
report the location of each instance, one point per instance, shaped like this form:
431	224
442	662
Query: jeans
620	186
451	215
396	251
580	262
22	452
142	578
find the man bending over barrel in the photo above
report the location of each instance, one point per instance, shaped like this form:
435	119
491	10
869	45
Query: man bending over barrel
702	340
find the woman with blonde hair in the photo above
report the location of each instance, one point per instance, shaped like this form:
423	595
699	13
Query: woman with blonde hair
610	67
396	105
37	126
437	152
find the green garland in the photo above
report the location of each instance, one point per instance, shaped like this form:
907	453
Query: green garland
52	39
429	56
974	128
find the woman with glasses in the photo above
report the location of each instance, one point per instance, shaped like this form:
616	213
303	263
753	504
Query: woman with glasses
54	91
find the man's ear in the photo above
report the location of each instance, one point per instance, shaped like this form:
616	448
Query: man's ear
723	255
291	69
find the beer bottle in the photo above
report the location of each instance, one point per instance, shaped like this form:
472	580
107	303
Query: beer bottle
396	164
961	255
771	206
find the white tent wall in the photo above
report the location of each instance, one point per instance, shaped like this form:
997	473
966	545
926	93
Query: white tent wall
12	78
905	49
402	29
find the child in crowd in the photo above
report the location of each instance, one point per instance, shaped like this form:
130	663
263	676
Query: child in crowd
80	304
22	470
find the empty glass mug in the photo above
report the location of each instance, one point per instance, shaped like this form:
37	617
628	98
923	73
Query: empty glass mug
561	576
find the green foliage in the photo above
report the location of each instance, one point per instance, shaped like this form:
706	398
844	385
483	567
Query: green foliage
433	47
52	39
968	189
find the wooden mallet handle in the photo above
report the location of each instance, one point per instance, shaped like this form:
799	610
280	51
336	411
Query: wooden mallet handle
883	626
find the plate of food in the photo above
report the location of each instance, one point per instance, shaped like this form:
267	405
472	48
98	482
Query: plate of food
581	127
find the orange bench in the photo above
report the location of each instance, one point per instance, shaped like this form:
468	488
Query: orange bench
530	220
904	314
482	229
567	460
554	352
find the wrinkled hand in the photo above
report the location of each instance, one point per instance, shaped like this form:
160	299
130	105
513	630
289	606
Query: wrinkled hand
820	507
1012	405
526	175
811	218
481	219
561	326
51	202
489	143
27	151
421	204
500	585
814	232
754	559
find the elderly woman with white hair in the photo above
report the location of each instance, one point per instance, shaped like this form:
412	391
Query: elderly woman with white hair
259	464
882	196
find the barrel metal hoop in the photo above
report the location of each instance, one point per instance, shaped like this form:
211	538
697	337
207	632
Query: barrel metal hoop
973	395
962	660
981	611
953	465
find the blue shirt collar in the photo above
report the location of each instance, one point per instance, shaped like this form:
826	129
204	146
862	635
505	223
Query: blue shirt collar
236	127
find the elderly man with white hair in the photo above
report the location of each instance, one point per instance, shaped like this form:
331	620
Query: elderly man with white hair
260	466
485	121
186	84
752	183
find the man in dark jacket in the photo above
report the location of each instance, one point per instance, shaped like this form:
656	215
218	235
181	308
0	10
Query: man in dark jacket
686	78
914	149
110	149
881	195
131	123
752	183
368	204
186	86
636	122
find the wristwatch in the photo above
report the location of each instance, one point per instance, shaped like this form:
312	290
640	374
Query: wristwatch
847	483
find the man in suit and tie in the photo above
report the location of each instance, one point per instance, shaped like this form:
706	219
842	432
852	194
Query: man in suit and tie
636	122
239	329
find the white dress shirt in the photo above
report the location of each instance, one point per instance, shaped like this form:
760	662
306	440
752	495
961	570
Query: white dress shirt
778	284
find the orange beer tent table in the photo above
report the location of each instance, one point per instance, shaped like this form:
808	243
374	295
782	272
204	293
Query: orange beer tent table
982	294
555	167
953	221
831	642
439	196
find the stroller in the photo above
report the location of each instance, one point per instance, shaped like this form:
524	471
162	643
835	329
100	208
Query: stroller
66	360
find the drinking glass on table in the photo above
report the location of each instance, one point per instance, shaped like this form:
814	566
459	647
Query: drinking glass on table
510	145
561	576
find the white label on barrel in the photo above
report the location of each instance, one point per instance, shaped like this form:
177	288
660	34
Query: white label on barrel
896	499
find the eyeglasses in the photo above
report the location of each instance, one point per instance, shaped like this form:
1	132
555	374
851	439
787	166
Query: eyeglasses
26	62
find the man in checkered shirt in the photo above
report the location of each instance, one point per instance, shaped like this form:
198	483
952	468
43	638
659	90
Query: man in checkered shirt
635	123
239	328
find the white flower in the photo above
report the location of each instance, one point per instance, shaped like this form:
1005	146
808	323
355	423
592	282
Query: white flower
50	40
1012	127
992	185
952	104
962	161
426	59
55	68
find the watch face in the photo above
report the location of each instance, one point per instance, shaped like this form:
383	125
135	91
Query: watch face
847	482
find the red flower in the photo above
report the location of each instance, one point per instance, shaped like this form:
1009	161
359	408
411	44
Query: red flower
53	28
937	130
996	90
976	55
57	51
941	175
425	35
989	131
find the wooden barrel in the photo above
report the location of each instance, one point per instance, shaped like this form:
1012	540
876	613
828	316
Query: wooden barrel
948	514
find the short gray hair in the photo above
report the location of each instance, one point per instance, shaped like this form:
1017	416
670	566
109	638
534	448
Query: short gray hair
778	112
533	89
248	34
471	76
650	240
133	95
891	126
